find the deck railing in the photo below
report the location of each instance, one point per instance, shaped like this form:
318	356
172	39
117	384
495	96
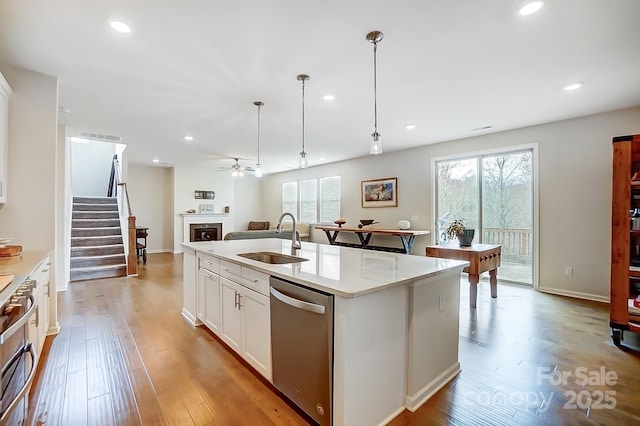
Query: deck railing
517	245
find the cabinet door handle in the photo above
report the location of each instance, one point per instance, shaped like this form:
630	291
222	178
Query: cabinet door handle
235	300
239	301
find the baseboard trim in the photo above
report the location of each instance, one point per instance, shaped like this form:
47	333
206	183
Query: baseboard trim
392	416
574	294
413	402
190	318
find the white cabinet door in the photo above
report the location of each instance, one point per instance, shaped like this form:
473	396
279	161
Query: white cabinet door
200	301
211	287
256	338
231	316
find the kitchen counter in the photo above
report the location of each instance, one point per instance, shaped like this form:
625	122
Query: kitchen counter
342	271
394	314
20	267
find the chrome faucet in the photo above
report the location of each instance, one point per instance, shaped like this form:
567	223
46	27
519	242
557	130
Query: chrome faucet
295	243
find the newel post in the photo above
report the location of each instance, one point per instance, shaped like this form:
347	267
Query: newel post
132	256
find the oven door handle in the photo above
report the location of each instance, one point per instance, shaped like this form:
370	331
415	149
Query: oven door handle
22	321
34	365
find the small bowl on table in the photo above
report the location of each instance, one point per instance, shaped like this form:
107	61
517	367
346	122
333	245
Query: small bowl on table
340	222
365	222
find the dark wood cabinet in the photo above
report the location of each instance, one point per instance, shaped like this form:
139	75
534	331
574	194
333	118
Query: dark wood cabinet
625	237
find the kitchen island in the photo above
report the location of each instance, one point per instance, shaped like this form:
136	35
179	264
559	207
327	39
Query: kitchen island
395	317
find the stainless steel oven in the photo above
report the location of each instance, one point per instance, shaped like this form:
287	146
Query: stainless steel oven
17	355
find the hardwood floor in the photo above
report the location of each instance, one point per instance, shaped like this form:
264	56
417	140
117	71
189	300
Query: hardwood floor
125	356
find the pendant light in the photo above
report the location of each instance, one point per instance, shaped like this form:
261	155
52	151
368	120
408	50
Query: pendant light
376	142
303	155
258	170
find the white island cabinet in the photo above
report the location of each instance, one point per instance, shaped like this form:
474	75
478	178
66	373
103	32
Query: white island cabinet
395	317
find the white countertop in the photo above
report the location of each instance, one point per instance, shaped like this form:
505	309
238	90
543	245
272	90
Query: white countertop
343	271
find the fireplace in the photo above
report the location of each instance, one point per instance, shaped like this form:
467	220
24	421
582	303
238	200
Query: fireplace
205	231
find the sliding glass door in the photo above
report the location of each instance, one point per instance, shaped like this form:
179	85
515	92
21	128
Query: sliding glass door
493	193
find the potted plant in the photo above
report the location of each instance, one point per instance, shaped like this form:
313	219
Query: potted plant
457	229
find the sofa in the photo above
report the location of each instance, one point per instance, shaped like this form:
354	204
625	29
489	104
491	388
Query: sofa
269	233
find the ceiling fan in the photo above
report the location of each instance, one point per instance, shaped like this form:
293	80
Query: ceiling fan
236	169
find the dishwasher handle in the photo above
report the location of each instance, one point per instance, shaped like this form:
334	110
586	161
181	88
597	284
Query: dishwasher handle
297	303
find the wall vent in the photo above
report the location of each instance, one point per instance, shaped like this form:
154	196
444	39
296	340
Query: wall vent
102	138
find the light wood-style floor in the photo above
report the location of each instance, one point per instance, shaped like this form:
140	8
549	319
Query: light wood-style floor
125	356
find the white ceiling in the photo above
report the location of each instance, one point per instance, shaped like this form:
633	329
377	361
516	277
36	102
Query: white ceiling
196	66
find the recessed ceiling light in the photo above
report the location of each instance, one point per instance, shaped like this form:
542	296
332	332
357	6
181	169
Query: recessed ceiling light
155	160
530	7
188	138
573	86
328	97
410	126
322	159
120	27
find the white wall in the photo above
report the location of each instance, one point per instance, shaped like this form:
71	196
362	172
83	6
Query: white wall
91	168
151	195
574	192
204	177
33	210
247	201
28	215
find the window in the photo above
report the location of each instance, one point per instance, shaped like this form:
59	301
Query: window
290	197
493	193
308	201
313	199
329	199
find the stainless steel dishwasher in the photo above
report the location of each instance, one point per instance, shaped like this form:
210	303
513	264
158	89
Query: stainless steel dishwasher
302	347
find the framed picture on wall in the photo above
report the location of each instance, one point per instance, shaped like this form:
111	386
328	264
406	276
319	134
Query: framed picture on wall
380	192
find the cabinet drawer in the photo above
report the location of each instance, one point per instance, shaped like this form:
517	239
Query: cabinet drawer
209	263
231	270
255	280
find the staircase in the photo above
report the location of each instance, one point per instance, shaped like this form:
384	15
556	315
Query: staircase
96	239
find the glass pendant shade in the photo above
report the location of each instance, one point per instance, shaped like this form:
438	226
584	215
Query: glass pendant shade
303	160
376	144
258	171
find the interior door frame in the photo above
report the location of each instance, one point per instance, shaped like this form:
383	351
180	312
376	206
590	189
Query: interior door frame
535	193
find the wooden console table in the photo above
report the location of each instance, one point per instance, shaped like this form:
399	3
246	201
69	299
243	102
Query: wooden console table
364	235
481	258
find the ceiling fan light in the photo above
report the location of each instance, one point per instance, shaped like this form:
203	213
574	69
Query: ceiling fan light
235	173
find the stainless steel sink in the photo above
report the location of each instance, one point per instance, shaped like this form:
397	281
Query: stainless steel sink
271	257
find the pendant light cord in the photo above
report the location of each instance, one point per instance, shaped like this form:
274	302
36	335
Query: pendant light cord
302	115
258	134
375	88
